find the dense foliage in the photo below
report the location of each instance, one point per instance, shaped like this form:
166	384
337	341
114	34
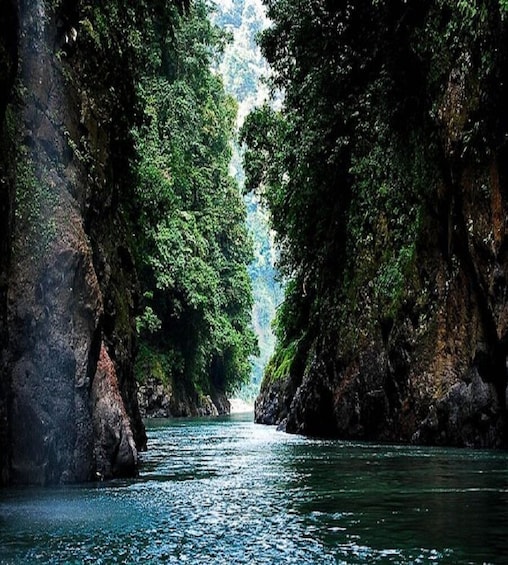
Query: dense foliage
171	126
351	165
191	241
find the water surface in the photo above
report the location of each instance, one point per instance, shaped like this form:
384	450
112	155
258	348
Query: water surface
229	491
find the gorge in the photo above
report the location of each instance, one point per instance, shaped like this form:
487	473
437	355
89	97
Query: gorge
124	249
135	280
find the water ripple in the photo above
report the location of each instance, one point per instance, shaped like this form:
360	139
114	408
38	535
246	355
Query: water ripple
227	491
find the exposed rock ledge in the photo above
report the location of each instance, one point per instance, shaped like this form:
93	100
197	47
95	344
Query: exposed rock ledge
115	450
158	400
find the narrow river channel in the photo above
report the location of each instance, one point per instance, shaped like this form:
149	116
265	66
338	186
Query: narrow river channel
229	491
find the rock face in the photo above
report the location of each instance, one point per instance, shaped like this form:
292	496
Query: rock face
115	451
68	406
436	374
8	68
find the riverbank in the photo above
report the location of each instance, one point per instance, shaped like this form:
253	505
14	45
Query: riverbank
174	400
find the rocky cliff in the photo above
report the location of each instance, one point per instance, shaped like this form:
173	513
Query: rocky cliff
68	403
396	328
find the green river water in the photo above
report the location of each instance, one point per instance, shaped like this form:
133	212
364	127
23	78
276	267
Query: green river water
229	491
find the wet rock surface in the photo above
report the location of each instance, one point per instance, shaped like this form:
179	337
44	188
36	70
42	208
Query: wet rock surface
114	448
8	68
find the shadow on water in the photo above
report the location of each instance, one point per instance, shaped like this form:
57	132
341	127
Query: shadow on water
225	490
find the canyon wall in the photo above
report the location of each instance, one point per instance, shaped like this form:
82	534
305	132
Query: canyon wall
68	285
392	214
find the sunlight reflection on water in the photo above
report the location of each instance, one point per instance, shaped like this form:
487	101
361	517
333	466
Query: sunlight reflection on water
228	491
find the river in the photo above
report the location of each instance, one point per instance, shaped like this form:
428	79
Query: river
229	491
